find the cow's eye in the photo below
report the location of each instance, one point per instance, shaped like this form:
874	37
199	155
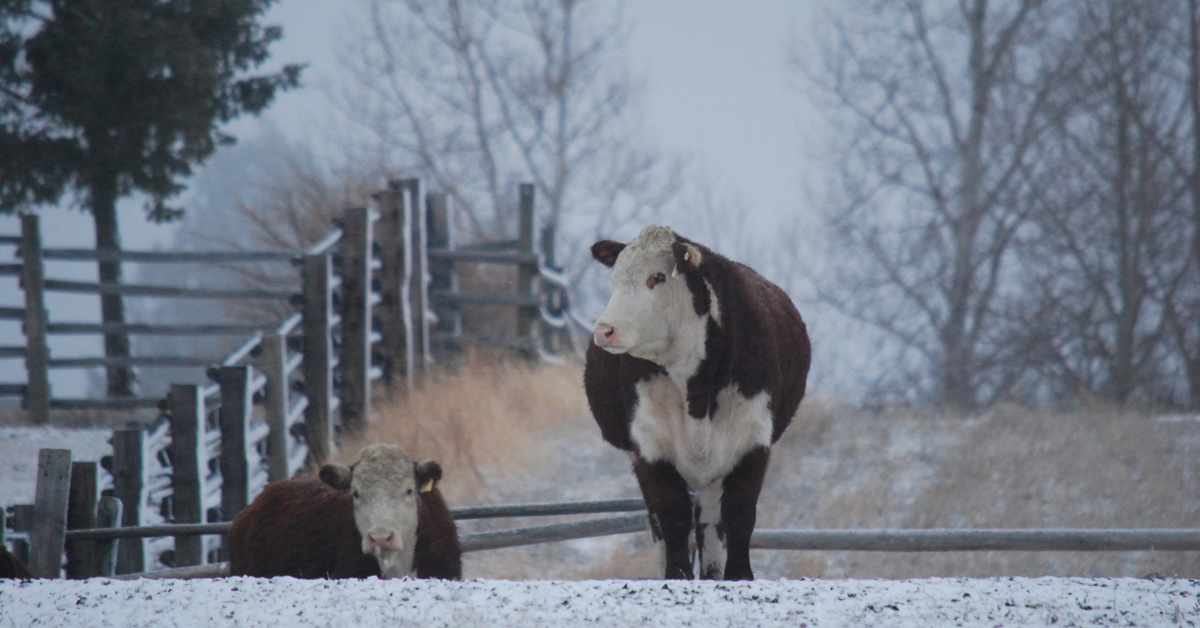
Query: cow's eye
354	494
408	492
655	279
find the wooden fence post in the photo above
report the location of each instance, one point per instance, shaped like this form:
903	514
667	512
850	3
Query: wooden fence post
391	233
129	482
50	513
236	408
418	276
108	515
318	376
37	352
526	272
273	363
188	468
442	274
81	515
355	363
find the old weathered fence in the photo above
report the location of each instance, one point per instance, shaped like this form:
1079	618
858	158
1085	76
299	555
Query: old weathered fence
378	297
374	298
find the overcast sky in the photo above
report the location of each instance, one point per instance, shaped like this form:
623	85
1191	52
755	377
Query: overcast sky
715	87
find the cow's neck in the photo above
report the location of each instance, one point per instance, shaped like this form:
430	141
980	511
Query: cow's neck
682	357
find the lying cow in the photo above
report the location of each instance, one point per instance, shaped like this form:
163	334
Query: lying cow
697	366
382	516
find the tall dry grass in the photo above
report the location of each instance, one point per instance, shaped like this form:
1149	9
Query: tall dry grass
487	418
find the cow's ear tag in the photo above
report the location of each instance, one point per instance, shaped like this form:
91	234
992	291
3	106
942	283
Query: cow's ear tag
427	486
675	272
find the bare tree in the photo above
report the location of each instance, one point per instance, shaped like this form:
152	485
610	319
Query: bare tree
1182	304
480	95
940	104
1106	256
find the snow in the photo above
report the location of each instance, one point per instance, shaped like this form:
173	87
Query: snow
248	602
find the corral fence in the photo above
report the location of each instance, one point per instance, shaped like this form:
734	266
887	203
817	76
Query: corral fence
376	298
90	549
381	290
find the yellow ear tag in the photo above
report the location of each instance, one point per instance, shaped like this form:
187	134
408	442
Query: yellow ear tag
427	486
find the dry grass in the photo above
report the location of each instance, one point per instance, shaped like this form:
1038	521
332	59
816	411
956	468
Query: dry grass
485	418
508	433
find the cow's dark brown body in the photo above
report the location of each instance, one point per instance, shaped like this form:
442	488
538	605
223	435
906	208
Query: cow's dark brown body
305	528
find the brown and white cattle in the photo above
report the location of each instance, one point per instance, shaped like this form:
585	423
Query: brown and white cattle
381	516
697	366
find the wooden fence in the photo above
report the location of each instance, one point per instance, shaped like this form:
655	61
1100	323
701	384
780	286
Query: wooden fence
63	507
281	399
377	298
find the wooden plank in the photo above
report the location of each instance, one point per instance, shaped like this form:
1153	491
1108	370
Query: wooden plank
442	273
159	360
108	515
272	362
189	466
525	272
114	403
390	236
50	513
481	256
326	244
1049	540
37	355
552	533
12	313
12	352
318	372
144	329
81	514
419	278
186	257
528	302
13	390
141	290
143	532
545	509
236	451
355	391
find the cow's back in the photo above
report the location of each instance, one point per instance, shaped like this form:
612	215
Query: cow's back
302	528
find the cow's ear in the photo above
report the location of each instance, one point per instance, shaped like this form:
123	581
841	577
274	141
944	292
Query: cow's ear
606	251
428	473
336	476
687	257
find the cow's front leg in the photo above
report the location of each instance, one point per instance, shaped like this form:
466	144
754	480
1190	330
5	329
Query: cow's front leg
670	509
738	503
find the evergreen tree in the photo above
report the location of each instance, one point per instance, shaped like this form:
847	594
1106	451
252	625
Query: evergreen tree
110	97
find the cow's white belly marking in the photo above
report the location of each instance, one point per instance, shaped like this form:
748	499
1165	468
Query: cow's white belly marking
703	450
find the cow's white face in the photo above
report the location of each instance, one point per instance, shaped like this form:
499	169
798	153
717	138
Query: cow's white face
383	487
650	314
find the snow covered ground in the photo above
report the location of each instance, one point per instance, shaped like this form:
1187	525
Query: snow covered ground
248	602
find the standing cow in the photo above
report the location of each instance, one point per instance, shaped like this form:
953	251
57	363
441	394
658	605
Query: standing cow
697	366
382	516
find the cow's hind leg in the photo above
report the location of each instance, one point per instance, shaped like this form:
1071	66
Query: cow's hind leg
670	509
710	537
738	503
